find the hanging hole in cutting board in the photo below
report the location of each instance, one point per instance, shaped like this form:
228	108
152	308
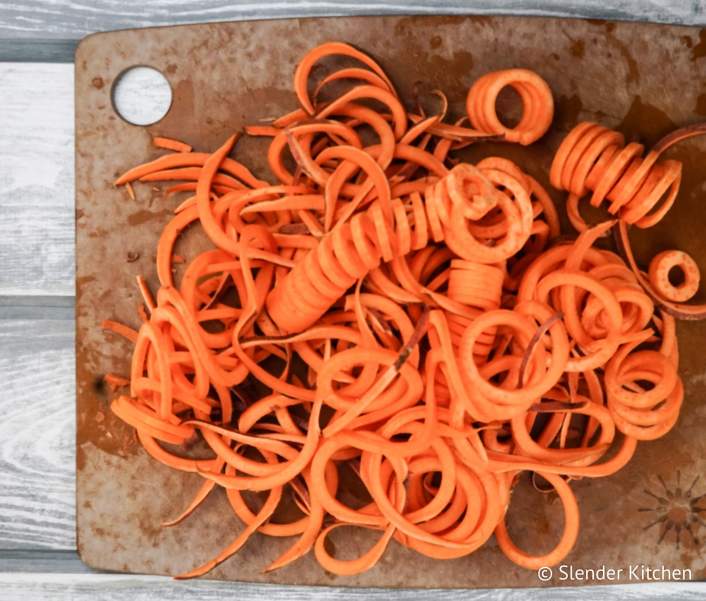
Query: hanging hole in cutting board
141	95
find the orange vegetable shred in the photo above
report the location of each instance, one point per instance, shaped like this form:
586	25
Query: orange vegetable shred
382	305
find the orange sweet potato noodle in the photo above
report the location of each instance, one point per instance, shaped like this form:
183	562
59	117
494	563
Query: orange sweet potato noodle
383	308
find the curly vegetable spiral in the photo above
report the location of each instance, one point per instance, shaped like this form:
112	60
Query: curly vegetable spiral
595	159
374	310
478	286
537	105
382	233
644	414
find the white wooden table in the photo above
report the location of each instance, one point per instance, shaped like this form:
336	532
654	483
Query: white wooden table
38	559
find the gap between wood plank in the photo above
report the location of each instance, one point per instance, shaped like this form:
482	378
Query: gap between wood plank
58	574
37	431
47	31
37	307
37	175
63	564
37	51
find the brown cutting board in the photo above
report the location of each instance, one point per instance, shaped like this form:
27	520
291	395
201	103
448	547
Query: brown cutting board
643	79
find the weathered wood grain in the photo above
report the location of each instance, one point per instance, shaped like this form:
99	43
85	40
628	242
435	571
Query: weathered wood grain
53	585
37	503
36	250
75	18
37	307
37	51
36	179
37	431
36	157
41	561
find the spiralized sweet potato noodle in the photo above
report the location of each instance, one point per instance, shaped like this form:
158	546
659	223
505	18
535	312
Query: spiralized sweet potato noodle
381	309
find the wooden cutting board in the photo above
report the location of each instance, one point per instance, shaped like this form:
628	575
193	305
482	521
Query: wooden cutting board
643	79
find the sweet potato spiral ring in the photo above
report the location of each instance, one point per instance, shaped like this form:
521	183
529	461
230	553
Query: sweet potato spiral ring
660	267
383	312
542	373
595	159
643	414
352	250
479	286
537	104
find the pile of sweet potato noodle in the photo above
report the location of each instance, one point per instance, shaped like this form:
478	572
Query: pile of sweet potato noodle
381	311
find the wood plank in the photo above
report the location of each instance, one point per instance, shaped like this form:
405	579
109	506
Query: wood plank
36	362
53	585
28	465
103	265
70	20
37	51
36	157
37	432
37	307
37	175
41	561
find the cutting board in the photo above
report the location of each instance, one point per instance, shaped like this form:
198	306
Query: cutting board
643	79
